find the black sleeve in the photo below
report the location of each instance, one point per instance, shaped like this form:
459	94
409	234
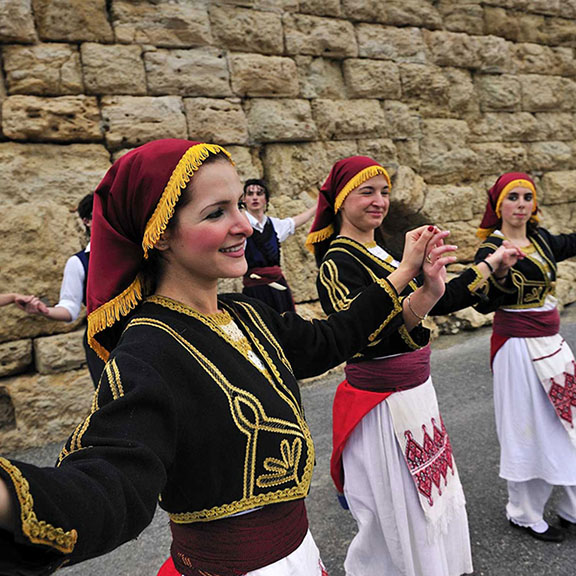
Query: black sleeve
461	292
105	489
312	347
563	246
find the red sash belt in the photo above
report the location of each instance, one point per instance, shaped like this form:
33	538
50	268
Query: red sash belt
239	544
391	374
352	402
522	325
268	274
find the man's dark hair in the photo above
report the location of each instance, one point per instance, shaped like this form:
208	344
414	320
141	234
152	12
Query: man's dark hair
85	206
257	182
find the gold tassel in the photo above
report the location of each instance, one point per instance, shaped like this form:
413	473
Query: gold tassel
319	236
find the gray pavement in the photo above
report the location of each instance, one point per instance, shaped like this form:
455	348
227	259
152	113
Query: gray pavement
463	384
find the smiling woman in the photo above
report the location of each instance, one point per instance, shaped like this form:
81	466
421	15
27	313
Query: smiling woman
198	406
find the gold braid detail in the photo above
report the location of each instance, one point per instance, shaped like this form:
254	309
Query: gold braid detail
37	531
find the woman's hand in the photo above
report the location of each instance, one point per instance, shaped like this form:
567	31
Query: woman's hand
434	267
504	258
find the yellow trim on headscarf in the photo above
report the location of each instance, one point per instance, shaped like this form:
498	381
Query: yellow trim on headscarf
514	184
188	164
318	236
357	180
106	315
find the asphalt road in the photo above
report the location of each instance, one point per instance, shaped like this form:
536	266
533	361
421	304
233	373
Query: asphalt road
464	388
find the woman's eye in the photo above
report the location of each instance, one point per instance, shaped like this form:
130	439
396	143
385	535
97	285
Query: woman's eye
216	214
513	197
528	197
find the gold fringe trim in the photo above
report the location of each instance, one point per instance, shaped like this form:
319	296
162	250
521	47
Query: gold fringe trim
192	159
37	531
483	233
319	236
110	312
357	180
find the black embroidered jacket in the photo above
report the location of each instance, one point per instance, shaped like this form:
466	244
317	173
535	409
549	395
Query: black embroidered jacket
349	267
183	413
534	277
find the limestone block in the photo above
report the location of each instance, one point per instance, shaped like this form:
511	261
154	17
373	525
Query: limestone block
73	20
280	120
62	174
300	267
449	203
321	8
486	53
320	78
367	78
273	5
317	36
407	194
17	21
419	13
559	186
134	120
566	284
216	120
463	235
47	408
514	25
499	92
43	69
344	119
504	127
61	119
409	153
560	32
499	157
164	23
555	126
244	30
247	161
462	97
194	72
230	285
265	76
424	82
2	96
465	17
550	155
59	353
537	59
35	242
388	43
559	218
15	357
547	93
403	122
546	7
383	150
294	168
444	152
113	69
467	319
337	149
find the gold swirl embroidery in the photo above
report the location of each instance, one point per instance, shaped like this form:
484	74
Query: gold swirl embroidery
284	470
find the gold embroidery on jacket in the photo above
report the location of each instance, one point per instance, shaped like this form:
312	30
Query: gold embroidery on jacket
37	531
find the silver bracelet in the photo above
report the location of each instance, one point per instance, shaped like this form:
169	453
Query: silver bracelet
412	309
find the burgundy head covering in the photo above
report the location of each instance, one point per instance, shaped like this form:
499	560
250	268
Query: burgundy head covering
345	176
493	213
132	207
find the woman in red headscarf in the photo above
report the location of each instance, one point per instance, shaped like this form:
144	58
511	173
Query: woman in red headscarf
392	457
534	382
198	405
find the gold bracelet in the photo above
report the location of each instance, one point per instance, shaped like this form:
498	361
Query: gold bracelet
412	309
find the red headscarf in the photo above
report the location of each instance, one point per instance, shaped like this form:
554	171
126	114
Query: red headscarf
132	207
493	213
345	176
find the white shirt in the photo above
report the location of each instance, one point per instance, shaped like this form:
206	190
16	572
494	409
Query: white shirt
72	288
284	226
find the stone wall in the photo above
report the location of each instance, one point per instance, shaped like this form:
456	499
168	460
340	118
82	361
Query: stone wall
446	93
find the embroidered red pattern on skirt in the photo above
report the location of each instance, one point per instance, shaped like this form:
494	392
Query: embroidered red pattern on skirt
563	395
429	462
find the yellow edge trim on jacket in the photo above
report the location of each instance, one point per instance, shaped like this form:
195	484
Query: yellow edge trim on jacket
37	531
110	312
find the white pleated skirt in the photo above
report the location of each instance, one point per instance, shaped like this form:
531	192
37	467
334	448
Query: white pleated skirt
533	442
392	537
